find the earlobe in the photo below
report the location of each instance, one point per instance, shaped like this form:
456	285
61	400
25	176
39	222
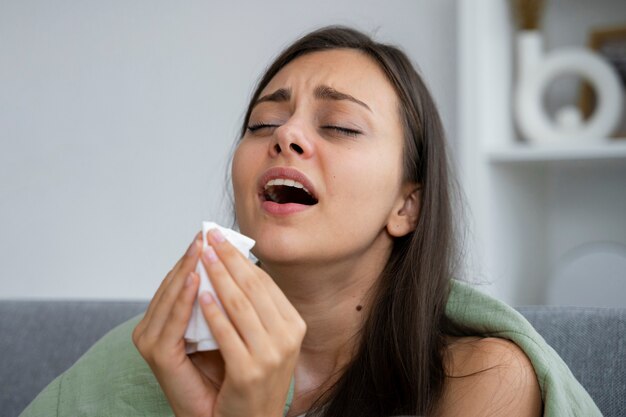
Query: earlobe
404	217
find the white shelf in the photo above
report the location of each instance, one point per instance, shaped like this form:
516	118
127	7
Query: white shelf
524	152
533	205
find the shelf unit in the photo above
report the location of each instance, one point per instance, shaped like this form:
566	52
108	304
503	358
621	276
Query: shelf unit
613	150
531	206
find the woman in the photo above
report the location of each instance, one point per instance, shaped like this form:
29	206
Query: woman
341	177
372	239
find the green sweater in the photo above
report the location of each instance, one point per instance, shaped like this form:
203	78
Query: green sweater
112	379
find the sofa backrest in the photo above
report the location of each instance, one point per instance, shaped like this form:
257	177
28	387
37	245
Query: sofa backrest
41	339
592	342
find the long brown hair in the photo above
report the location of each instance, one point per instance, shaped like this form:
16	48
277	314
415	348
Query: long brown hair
398	366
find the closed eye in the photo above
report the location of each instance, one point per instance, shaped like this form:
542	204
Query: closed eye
253	128
349	132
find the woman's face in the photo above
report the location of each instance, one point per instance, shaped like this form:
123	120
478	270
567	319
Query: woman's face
331	126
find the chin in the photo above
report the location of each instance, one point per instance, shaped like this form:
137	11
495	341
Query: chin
280	247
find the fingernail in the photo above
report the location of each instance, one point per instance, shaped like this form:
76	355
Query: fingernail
209	254
206	298
217	235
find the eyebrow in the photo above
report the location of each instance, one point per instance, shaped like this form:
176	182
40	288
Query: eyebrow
322	92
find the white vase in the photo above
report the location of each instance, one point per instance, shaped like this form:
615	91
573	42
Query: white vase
537	69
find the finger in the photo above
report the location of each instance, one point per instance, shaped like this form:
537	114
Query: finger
168	278
141	326
250	283
235	302
157	295
231	346
283	304
176	325
164	305
280	301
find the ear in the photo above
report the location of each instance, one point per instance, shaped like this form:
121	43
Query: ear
405	214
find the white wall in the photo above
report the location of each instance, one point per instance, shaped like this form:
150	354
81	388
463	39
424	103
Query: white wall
117	118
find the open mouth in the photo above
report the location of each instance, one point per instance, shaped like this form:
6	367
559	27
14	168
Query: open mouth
285	191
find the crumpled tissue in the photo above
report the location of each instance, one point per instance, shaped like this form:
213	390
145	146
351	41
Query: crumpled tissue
198	336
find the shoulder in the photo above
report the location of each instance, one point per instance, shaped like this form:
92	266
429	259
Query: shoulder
488	376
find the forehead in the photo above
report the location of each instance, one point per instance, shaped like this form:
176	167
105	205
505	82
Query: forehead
346	70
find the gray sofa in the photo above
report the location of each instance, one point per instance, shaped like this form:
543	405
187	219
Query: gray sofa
40	339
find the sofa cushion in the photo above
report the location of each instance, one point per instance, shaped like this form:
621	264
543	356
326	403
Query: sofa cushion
590	340
41	339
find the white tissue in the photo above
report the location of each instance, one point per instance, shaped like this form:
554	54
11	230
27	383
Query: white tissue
198	336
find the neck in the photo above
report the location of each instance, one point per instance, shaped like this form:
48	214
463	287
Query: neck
332	301
332	298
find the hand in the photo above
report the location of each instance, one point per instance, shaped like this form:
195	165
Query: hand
258	349
159	339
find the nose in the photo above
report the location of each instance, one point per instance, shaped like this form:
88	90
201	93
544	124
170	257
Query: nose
290	140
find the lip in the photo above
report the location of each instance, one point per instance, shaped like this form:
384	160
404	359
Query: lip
286	173
283	209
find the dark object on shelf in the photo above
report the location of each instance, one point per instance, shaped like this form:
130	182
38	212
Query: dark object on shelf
610	42
527	13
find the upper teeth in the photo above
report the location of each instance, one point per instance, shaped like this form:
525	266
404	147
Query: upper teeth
289	183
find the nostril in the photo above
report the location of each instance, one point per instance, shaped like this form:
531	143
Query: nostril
296	148
277	148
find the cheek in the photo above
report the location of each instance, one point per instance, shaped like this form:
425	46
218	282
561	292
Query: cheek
237	180
367	185
236	170
245	159
243	181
